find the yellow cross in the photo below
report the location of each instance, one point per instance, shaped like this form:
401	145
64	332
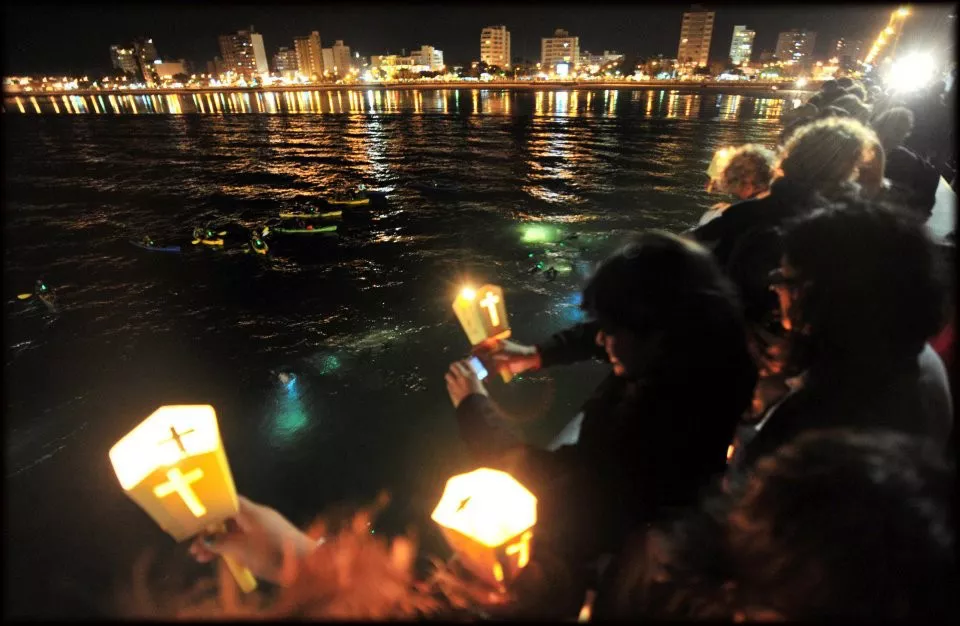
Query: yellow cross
523	547
180	484
489	302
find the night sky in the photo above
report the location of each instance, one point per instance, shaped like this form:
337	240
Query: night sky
54	38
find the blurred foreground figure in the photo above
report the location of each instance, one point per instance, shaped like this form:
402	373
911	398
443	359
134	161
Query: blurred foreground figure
321	574
834	526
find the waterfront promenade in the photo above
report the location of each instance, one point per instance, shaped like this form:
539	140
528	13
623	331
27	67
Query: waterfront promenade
751	88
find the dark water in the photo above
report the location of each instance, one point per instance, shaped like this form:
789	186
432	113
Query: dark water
364	318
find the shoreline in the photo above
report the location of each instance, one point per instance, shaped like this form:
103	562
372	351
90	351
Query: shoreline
767	89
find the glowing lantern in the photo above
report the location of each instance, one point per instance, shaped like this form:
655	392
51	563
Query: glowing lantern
483	315
487	517
174	467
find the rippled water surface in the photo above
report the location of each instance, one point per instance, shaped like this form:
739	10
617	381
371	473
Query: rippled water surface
362	318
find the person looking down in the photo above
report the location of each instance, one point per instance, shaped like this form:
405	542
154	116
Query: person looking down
656	429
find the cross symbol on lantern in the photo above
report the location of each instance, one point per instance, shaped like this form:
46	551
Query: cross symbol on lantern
175	436
180	484
489	302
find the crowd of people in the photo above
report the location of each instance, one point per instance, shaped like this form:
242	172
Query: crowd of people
774	437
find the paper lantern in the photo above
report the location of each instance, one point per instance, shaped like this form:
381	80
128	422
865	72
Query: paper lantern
174	467
483	315
487	517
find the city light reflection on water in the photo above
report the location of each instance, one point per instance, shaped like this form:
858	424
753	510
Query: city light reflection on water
498	102
287	416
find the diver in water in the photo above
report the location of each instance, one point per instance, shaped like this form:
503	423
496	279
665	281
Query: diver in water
40	288
551	274
148	241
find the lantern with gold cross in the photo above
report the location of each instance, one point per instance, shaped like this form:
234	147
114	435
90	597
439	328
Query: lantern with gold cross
483	315
174	467
487	517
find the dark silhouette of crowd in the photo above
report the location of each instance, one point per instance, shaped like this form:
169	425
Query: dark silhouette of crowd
773	440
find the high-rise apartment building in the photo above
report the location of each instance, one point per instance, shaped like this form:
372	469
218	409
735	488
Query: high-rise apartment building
285	62
326	58
309	55
146	56
561	48
495	46
796	45
244	54
741	47
430	57
124	59
696	31
847	52
342	61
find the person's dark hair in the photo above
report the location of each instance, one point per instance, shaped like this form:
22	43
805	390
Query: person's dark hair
659	281
830	87
845	82
847	525
858	91
833	111
854	106
870	286
817	100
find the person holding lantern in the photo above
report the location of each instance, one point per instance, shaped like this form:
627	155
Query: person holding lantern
657	428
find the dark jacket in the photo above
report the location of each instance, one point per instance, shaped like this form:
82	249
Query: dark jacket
911	395
915	178
646	445
746	242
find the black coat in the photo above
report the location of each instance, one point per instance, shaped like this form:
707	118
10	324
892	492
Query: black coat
746	242
910	395
915	178
646	446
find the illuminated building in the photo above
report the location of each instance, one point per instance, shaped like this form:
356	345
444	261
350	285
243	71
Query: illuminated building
285	62
146	56
342	61
166	70
243	53
696	31
561	48
846	51
124	59
599	60
430	57
741	47
796	46
216	67
309	55
326	57
495	46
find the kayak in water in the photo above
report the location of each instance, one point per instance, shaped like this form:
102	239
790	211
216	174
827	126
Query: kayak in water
309	229
310	214
206	237
357	197
147	243
43	293
258	245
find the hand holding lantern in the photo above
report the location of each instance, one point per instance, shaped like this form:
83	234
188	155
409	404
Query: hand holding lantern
174	467
483	315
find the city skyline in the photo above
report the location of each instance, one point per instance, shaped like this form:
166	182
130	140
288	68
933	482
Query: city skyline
192	33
